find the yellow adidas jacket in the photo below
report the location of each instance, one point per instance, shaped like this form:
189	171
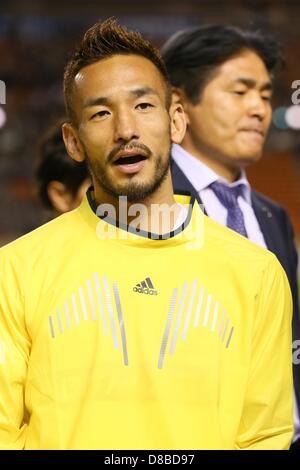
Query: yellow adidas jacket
116	340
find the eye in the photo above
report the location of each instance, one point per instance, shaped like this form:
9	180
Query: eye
144	106
239	92
100	114
266	97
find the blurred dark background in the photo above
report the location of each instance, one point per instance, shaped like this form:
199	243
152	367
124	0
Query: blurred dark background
36	38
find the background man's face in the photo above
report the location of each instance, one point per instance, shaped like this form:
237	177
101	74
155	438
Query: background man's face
231	120
124	126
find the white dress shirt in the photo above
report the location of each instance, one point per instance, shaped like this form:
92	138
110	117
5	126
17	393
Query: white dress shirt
201	176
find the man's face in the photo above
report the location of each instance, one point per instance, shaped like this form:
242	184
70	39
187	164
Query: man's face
231	120
123	125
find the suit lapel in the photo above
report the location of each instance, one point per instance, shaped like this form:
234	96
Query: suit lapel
182	185
266	222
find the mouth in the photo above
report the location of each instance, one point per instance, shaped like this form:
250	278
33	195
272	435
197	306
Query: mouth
130	163
130	160
254	131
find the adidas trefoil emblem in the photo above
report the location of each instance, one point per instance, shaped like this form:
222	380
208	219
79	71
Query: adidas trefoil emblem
145	287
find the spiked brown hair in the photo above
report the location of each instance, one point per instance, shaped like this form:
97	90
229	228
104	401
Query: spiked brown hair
104	40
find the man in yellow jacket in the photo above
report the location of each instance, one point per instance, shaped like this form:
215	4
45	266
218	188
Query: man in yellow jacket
147	332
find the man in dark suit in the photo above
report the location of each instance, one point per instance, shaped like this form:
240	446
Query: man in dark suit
223	77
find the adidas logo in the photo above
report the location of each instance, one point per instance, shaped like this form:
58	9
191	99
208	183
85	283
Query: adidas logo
145	287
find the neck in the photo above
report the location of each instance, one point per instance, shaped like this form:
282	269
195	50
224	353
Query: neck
212	160
157	213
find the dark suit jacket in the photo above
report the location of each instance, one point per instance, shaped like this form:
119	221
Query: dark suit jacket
278	234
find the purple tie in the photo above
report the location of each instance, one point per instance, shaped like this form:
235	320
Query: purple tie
228	198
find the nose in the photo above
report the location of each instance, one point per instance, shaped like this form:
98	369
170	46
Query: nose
125	127
257	106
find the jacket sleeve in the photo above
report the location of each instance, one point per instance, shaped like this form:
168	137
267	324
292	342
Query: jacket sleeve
292	255
293	262
14	353
267	419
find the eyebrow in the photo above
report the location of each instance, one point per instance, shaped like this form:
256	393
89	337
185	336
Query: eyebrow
101	100
104	101
139	92
249	82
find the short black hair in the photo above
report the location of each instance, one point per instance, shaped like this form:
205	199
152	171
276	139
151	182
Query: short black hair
54	164
192	55
102	41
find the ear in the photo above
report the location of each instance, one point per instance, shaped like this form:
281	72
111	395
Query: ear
178	121
72	142
59	196
179	96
